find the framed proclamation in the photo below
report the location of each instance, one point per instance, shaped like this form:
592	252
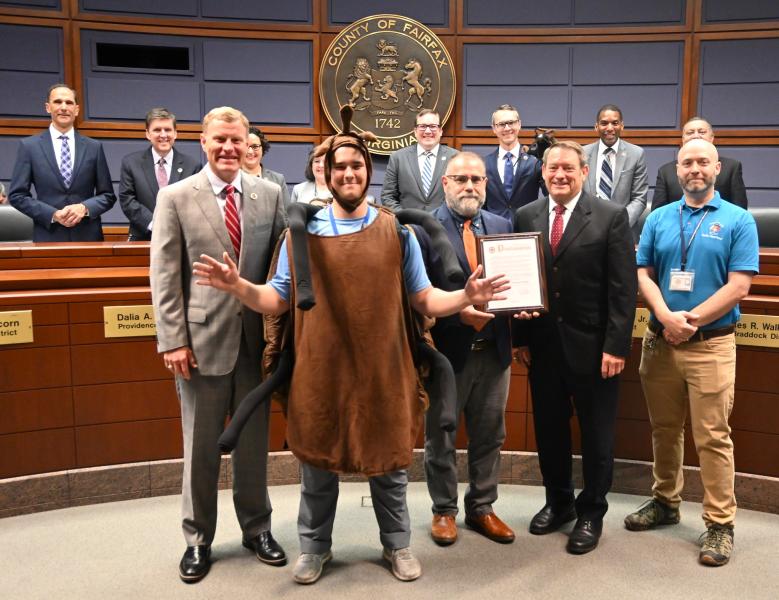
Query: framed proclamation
520	258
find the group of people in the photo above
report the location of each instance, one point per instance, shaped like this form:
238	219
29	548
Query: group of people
215	234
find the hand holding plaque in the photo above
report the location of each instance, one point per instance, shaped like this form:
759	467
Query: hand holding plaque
518	256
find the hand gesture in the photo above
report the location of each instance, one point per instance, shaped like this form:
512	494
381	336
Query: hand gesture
222	276
678	326
481	291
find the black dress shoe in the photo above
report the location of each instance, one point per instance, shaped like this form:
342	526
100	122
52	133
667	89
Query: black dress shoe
548	520
585	536
195	563
267	549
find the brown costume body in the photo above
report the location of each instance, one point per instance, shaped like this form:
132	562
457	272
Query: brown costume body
354	397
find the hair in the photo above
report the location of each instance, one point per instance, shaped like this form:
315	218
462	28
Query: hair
606	107
316	152
696	118
504	107
226	114
159	113
263	140
567	145
463	155
61	85
428	111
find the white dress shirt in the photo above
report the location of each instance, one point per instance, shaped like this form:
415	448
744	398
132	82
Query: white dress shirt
613	160
569	206
421	157
217	185
515	151
55	139
168	160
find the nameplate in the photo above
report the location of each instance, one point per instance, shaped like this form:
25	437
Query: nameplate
758	330
129	321
15	327
640	322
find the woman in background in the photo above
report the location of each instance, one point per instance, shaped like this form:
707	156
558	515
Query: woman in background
258	146
314	189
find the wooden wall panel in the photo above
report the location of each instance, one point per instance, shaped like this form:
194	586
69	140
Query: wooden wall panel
34	410
35	368
755	452
116	362
116	402
518	394
37	452
136	441
516	427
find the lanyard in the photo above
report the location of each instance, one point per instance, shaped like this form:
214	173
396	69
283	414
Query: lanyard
335	227
686	247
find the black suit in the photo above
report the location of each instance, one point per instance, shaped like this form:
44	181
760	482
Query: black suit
527	182
729	184
138	187
592	289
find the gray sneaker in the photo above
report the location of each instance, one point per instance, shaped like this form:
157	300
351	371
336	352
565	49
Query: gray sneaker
308	568
716	545
651	514
405	566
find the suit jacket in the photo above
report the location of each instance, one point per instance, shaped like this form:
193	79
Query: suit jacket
90	185
188	223
279	180
453	338
138	187
630	184
527	182
403	180
591	285
729	184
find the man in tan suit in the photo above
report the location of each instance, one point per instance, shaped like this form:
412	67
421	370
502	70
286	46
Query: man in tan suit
208	340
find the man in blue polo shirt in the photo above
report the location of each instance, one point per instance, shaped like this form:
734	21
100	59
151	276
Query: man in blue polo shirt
696	260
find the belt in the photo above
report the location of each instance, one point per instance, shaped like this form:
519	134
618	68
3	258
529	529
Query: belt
698	336
479	345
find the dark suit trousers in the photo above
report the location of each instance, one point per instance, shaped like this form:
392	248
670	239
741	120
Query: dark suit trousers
556	392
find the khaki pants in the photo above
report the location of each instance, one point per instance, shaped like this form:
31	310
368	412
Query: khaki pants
695	378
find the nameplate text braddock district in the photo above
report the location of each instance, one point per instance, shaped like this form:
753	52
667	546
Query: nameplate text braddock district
129	321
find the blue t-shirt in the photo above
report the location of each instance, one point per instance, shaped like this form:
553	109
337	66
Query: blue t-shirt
726	242
413	268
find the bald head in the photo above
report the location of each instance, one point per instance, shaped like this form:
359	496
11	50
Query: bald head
465	184
697	167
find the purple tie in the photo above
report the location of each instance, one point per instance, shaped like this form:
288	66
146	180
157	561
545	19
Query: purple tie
162	176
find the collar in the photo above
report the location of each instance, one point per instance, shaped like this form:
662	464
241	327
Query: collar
476	221
156	157
602	147
570	205
714	203
217	184
421	151
515	151
56	133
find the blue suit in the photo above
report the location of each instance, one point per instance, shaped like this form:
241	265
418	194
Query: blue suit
90	185
481	362
527	182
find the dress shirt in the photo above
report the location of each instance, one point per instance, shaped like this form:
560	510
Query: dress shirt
515	152
218	185
569	206
168	160
55	139
601	149
421	158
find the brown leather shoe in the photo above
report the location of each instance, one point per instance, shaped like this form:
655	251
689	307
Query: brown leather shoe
443	530
489	525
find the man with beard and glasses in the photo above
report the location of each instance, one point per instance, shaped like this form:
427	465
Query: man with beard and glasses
696	260
354	403
478	345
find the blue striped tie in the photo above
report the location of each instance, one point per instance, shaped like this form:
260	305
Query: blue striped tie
427	173
606	174
508	174
66	164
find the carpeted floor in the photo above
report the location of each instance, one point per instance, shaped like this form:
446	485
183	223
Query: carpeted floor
131	550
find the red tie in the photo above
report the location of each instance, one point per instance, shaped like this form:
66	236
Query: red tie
233	220
557	228
469	242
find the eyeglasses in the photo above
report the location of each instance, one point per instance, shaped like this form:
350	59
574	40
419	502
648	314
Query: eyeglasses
463	179
255	147
428	127
504	124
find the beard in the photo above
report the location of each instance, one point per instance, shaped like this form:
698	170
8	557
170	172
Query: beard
349	204
466	206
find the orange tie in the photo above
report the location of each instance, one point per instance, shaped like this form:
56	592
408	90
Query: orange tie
469	242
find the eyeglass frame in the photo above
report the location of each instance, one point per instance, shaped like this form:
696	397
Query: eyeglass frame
504	124
428	127
463	179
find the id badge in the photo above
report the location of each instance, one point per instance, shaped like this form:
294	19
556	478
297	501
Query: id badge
681	281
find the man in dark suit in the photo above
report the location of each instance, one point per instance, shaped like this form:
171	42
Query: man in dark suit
413	175
577	350
513	177
729	184
70	174
145	172
478	345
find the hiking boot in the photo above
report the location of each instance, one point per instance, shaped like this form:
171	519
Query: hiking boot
404	565
308	568
716	545
651	514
